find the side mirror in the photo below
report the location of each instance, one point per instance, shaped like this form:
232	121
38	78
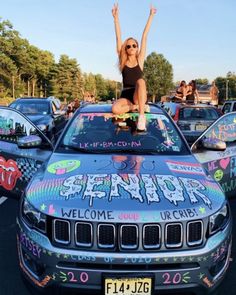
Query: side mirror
213	144
30	141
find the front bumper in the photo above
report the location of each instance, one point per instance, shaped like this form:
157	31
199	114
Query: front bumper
46	266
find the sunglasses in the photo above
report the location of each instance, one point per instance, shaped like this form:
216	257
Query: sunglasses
129	46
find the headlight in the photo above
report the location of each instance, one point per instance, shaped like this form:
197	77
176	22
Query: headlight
219	219
33	217
42	127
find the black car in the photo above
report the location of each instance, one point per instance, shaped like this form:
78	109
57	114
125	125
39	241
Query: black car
45	113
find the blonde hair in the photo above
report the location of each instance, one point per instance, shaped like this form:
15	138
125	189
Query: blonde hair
123	57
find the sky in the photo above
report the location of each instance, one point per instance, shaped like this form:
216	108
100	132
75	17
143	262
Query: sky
198	37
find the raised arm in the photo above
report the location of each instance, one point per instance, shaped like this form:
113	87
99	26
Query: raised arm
115	13
143	46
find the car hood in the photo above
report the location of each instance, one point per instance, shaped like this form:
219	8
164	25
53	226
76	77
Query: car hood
119	187
39	119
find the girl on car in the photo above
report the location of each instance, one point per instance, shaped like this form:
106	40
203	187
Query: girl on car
131	61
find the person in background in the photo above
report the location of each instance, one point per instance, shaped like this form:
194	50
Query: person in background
181	91
75	104
214	93
69	111
131	61
192	95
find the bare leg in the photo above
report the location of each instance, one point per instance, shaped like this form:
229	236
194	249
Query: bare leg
140	95
140	98
122	105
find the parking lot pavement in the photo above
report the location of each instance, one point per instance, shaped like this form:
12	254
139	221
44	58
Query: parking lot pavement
10	279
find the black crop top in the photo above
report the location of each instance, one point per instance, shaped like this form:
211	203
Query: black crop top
131	75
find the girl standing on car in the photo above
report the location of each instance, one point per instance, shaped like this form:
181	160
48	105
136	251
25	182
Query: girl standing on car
180	94
131	60
192	93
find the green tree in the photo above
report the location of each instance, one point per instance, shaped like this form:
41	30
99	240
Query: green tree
66	79
101	86
201	81
158	74
226	86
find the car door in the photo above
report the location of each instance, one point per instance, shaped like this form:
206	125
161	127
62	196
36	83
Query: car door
221	164
23	149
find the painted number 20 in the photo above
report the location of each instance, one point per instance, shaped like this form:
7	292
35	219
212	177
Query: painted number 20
168	279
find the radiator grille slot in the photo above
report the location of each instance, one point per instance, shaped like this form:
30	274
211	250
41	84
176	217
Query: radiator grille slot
129	237
174	235
61	231
83	234
106	236
152	236
195	233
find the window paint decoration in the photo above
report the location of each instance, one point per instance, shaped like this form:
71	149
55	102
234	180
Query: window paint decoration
63	167
9	173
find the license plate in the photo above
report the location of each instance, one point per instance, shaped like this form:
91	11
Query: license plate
128	286
200	127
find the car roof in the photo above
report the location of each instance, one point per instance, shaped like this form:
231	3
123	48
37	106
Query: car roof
31	98
199	105
107	108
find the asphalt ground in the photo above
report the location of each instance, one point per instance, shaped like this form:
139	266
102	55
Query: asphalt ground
10	278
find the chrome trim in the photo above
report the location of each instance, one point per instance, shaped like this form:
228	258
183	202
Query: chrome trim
159	242
61	241
106	246
181	235
196	242
91	235
137	235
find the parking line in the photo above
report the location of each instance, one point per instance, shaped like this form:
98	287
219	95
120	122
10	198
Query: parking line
2	199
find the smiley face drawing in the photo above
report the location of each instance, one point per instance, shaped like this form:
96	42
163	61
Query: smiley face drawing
218	175
63	167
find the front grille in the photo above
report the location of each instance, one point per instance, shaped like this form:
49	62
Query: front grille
174	235
194	233
127	237
61	231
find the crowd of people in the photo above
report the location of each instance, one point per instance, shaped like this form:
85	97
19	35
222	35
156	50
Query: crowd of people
187	92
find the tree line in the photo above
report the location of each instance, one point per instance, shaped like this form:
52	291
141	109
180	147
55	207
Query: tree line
26	70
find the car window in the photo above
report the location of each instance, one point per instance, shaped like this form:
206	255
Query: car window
234	106
32	107
105	132
54	108
226	108
170	108
198	113
224	129
13	126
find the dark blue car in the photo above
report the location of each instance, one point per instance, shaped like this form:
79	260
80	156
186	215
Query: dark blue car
115	211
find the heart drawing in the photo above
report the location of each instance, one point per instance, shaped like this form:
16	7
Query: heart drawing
224	163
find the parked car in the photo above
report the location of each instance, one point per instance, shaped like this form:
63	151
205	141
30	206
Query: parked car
44	113
114	210
229	106
192	119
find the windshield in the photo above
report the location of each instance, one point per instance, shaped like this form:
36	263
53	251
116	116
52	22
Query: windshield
32	107
198	113
109	133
